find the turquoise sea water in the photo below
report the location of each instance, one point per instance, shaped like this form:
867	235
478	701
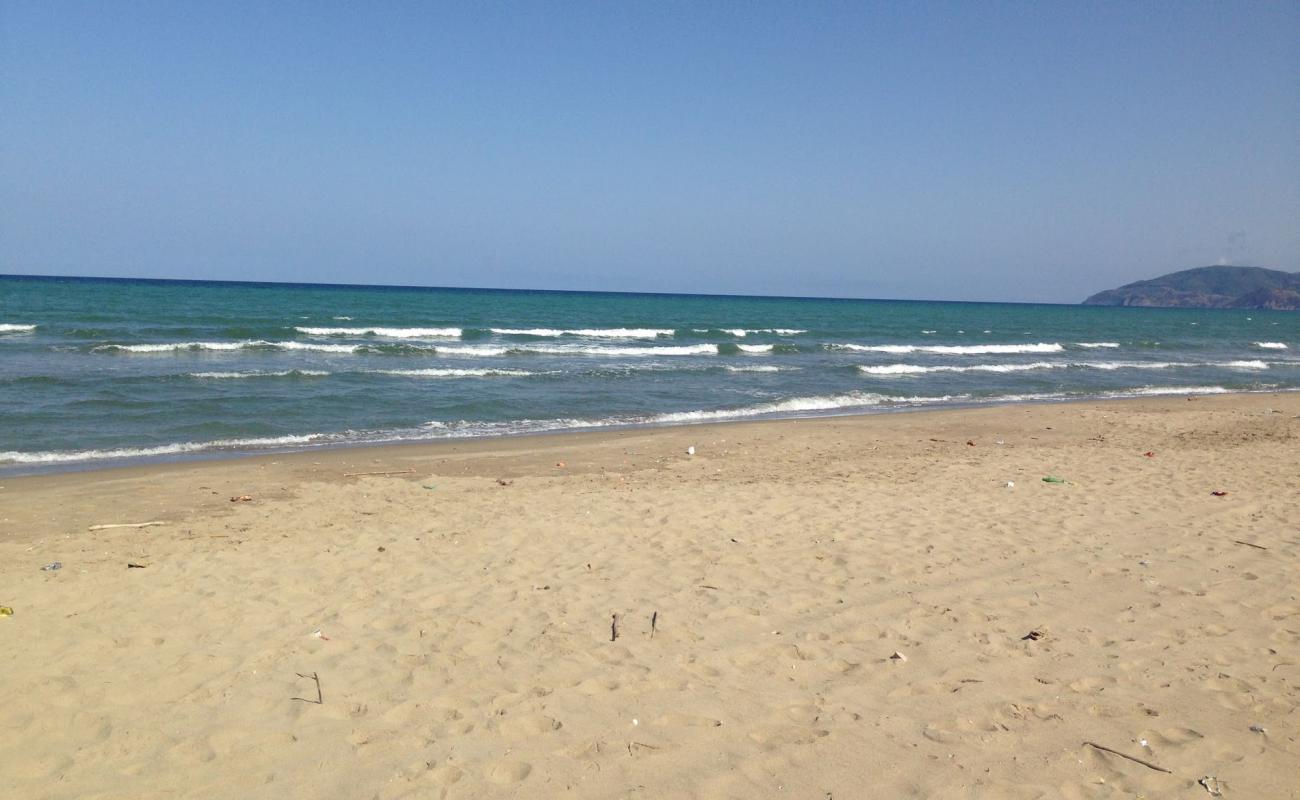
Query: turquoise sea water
98	371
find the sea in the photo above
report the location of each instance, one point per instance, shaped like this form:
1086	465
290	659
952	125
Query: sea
95	372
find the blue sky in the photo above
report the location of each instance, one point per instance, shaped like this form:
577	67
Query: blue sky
963	151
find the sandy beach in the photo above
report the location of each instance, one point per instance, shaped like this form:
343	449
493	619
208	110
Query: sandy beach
827	609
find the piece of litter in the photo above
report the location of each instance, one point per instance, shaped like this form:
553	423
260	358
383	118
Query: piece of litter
690	451
970	443
1053	479
559	464
503	482
317	633
1149	454
1032	636
131	565
636	722
1145	563
1219	494
897	656
1142	742
1211	783
428	486
242	498
1011	484
1257	729
52	566
6	611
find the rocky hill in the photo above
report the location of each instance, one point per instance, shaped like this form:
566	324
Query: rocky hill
1209	287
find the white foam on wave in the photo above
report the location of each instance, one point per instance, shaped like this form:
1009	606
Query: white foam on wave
286	373
1094	345
388	333
13	327
72	456
917	369
1272	345
589	333
455	373
343	319
940	349
587	350
166	347
743	332
762	368
755	349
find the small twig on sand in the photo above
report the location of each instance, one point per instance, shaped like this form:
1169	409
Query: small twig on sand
654	620
1248	544
630	745
1146	764
389	472
613	628
320	698
112	525
707	586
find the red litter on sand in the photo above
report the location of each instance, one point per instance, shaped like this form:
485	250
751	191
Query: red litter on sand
1150	454
1219	494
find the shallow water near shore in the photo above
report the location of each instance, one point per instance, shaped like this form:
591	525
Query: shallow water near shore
106	371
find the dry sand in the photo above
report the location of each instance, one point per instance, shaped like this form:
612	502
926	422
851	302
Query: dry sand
469	648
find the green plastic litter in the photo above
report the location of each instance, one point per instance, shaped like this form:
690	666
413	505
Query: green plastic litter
1053	479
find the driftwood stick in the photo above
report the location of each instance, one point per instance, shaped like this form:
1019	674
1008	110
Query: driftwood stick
388	472
1146	764
654	620
1249	544
320	698
112	525
613	628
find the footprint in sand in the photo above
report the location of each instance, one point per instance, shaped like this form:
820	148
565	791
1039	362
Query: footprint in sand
508	771
519	727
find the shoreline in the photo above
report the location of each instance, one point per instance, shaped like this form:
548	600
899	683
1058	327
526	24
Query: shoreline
804	607
14	471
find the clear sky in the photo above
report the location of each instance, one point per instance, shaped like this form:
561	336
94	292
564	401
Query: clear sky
962	151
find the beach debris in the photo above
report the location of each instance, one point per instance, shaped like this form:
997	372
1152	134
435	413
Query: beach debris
53	565
428	486
241	498
6	611
133	565
1250	544
320	697
1144	563
1150	454
707	586
1052	479
112	525
504	482
319	635
1212	785
1134	759
1011	484
654	622
381	549
690	451
1218	493
382	472
559	464
613	628
897	656
1032	636
1258	729
970	443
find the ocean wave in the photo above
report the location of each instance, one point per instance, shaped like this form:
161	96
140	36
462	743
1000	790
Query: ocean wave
166	347
917	369
286	373
1271	345
754	349
177	448
1094	345
588	333
388	333
740	333
455	373
757	368
13	327
965	350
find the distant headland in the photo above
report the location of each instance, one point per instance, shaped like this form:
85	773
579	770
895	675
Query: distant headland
1209	287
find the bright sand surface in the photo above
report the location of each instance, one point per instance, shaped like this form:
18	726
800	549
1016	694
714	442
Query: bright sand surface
760	587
